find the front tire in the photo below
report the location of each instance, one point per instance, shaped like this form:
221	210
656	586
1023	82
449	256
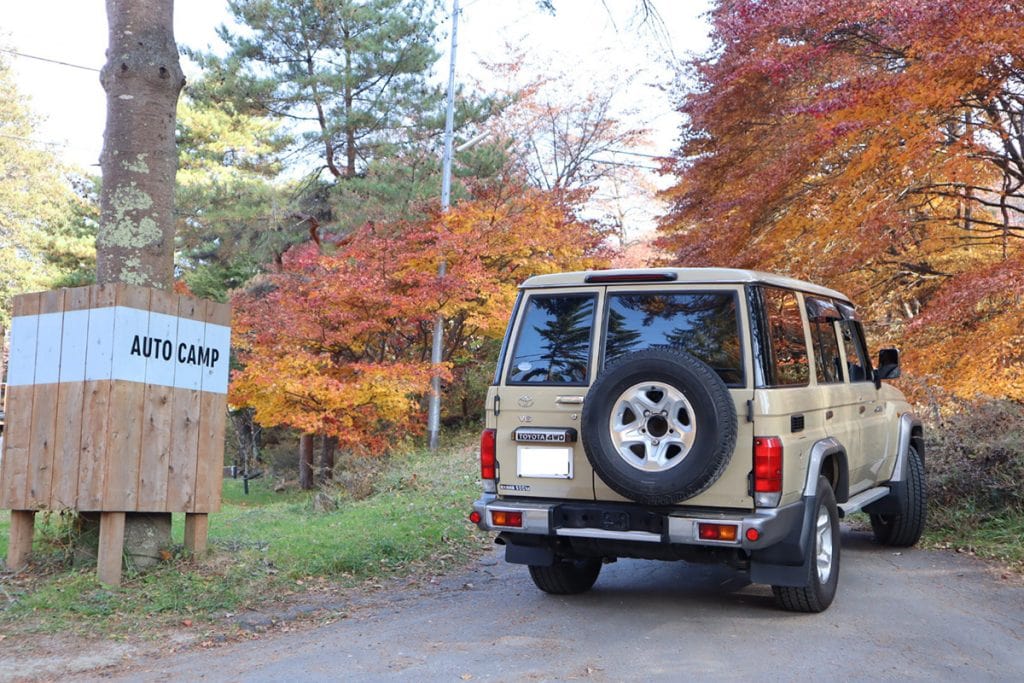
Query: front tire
566	577
904	528
822	556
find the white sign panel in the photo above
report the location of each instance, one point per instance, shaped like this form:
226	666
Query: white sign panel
120	343
21	364
73	347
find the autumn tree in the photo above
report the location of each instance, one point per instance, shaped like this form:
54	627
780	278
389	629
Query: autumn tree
559	132
338	341
871	146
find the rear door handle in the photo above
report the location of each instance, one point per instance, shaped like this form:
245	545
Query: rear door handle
570	400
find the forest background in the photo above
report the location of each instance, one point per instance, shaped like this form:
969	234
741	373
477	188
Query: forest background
874	147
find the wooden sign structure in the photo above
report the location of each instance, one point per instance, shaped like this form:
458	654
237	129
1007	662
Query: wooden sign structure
116	403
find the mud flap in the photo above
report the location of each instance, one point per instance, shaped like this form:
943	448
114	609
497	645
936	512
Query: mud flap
787	563
891	504
537	556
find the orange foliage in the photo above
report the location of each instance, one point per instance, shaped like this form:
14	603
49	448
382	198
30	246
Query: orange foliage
339	343
871	146
972	335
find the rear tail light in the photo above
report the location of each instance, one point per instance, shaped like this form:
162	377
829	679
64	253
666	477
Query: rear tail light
717	532
507	518
767	471
488	460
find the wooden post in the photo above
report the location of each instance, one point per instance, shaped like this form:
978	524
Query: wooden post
20	545
196	528
111	550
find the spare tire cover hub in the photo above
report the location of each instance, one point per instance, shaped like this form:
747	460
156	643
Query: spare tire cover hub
652	426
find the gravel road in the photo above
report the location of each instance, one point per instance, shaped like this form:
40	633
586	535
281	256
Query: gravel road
899	615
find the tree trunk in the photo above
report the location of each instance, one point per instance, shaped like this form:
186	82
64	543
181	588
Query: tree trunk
330	444
135	241
247	436
142	79
306	462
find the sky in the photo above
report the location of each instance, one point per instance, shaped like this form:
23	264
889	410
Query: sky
588	39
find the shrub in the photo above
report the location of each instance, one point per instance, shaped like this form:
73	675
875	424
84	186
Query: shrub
975	461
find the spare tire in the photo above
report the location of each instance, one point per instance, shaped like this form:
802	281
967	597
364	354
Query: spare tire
659	426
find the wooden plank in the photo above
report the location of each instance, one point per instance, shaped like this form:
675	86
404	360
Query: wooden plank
124	435
20	392
210	460
157	432
44	401
111	548
196	530
181	471
20	546
92	464
70	398
212	422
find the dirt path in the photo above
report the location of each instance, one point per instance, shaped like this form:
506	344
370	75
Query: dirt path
913	614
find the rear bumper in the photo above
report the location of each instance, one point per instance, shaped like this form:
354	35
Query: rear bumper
626	522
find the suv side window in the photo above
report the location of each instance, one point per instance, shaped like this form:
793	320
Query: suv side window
858	360
704	324
789	365
822	316
554	340
856	355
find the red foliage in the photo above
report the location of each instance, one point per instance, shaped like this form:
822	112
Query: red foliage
339	343
865	145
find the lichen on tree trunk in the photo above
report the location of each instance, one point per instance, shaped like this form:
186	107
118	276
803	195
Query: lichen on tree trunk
142	78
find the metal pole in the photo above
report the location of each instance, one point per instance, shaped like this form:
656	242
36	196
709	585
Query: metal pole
434	417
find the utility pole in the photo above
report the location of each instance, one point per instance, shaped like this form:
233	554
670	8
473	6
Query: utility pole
434	417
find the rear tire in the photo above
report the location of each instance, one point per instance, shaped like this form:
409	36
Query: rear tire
904	528
566	577
822	556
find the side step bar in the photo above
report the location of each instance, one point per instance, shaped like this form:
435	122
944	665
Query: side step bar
862	499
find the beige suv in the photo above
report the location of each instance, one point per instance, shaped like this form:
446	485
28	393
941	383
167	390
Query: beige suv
693	414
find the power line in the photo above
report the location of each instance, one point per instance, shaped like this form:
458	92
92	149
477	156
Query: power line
46	59
637	154
34	142
47	143
607	162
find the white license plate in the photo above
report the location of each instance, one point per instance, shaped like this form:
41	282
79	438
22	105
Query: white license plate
553	463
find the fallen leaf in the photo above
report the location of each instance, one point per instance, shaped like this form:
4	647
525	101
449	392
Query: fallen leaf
186	623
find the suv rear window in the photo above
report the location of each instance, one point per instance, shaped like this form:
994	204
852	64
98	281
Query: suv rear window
554	340
703	324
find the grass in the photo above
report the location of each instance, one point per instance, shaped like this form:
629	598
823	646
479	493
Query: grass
264	546
993	537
